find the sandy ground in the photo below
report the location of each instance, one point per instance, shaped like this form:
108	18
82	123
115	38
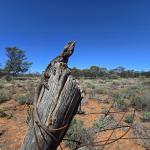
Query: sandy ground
13	129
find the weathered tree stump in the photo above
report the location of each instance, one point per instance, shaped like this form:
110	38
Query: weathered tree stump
56	102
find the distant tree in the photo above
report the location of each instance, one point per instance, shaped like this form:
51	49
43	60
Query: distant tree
94	70
145	73
16	62
1	67
100	72
119	69
87	73
75	72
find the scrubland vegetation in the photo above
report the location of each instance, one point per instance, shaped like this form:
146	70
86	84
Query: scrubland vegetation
124	93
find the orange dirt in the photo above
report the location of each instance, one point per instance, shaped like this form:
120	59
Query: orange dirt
14	128
128	144
92	106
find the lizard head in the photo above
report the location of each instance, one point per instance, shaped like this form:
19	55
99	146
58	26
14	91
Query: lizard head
71	44
69	49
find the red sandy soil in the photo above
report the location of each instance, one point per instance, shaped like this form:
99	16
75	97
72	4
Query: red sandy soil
15	127
93	106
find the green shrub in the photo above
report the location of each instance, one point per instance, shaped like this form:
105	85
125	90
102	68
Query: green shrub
141	101
120	100
142	132
77	132
121	104
115	83
147	83
113	76
104	123
100	90
146	116
137	102
129	119
4	95
8	78
90	84
23	99
99	124
137	96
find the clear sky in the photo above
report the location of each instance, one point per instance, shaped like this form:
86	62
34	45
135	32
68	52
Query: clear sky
109	33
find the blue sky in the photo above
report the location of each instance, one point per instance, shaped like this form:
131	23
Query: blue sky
109	33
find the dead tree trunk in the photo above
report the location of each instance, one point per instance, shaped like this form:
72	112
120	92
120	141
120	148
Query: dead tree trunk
55	104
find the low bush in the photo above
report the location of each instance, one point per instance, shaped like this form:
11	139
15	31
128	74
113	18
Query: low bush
77	132
137	96
101	90
23	99
129	119
99	124
140	100
8	77
120	100
4	95
89	84
142	132
103	123
121	104
146	116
